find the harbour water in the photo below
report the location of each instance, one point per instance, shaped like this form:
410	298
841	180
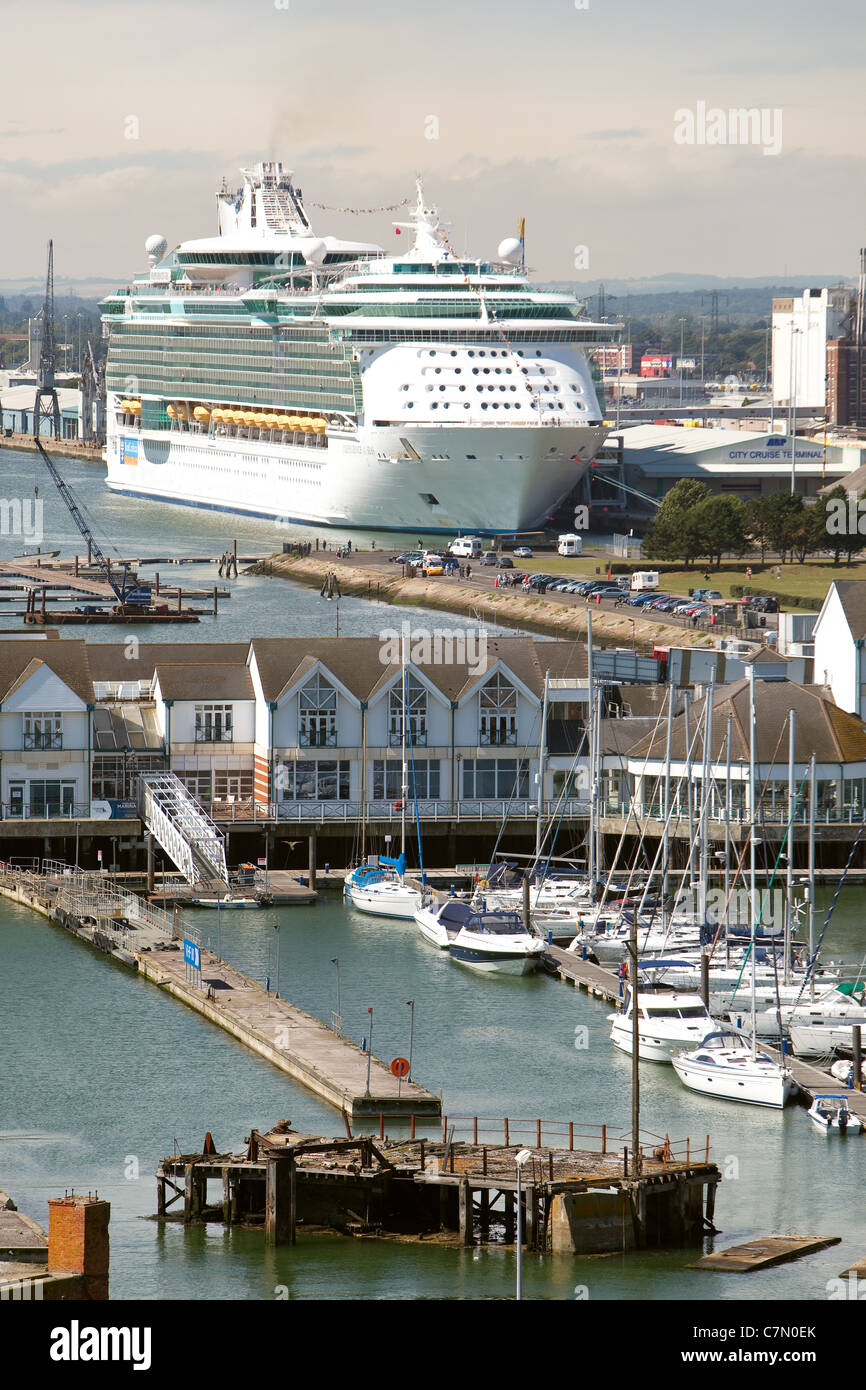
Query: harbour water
104	1074
129	527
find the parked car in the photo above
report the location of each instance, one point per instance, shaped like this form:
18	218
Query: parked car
644	600
432	564
610	591
523	552
489	558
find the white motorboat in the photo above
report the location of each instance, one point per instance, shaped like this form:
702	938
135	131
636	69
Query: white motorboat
842	1007
831	1114
497	941
666	1024
439	923
820	1037
727	1065
227	902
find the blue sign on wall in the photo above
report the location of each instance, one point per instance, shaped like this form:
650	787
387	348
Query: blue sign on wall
191	954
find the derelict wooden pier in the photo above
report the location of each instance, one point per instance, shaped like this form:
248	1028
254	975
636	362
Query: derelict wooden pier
577	1200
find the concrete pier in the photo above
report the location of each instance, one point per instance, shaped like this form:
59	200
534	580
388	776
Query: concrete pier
329	1065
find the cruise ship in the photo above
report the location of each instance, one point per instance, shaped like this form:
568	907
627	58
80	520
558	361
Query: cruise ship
276	373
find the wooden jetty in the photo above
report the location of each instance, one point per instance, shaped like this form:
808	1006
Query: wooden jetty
763	1254
584	974
328	1064
573	1200
812	1079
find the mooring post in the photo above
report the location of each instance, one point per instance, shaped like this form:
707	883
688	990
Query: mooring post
187	1193
227	1197
151	878
215	600
857	1056
527	922
484	1218
464	1211
160	1196
280	1200
705	979
531	1216
509	1201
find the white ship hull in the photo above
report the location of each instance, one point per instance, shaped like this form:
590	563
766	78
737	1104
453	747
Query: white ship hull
512	483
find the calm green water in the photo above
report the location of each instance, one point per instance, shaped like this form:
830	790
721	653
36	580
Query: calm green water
101	1070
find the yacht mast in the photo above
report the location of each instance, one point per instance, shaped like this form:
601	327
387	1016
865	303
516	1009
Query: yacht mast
789	903
752	818
404	789
541	757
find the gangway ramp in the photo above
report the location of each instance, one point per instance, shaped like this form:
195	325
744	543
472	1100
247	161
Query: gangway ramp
183	829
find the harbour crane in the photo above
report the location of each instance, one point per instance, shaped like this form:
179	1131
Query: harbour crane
127	591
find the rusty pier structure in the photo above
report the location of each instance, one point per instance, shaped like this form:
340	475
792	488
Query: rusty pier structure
580	1191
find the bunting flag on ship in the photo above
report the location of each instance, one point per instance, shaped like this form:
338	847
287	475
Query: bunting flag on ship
358	212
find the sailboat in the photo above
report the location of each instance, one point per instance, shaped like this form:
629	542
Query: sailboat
726	1064
380	889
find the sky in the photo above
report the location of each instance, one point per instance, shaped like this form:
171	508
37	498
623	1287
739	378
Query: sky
582	115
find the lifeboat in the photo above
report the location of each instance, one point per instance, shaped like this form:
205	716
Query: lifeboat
171	412
318	425
201	413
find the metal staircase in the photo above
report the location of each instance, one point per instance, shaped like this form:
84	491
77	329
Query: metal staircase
183	829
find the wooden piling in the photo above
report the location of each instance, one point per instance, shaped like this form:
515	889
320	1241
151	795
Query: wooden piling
464	1210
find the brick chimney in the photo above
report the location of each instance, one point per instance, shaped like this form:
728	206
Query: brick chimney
78	1241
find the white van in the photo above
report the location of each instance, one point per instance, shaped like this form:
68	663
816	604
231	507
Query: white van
467	548
644	579
570	545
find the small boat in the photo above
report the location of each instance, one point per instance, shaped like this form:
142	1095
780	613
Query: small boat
496	941
439	923
727	1065
229	901
666	1024
381	892
831	1114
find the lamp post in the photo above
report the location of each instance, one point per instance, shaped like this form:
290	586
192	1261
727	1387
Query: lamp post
276	927
337	1019
411	1004
682	333
77	833
65	343
792	397
520	1158
78	322
369	1050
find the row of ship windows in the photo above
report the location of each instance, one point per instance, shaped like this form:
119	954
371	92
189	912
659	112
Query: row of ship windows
506	405
239	333
186	450
274	370
548	386
375	336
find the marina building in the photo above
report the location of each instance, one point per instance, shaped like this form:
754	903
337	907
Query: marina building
838	637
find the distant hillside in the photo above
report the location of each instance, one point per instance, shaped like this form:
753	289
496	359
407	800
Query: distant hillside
740	302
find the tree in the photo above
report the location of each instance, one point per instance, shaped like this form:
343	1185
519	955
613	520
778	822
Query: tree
721	527
676	532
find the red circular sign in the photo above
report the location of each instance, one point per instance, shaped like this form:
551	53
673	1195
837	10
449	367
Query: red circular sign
400	1067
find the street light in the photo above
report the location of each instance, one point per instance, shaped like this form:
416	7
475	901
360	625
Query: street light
369	1050
682	332
276	927
520	1158
411	1004
337	1018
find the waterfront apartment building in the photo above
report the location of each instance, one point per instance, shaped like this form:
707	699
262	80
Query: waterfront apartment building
312	730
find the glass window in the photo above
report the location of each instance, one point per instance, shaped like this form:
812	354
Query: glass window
388	777
498	712
213	723
416	696
317	714
495	779
314	780
43	729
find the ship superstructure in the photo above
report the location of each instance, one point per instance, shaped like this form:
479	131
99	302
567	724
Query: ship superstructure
277	373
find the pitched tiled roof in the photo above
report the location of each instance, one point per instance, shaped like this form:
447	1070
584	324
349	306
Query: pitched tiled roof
357	662
852	595
822	728
67	659
204	682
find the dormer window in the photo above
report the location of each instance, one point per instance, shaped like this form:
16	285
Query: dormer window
317	714
416	699
498	712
